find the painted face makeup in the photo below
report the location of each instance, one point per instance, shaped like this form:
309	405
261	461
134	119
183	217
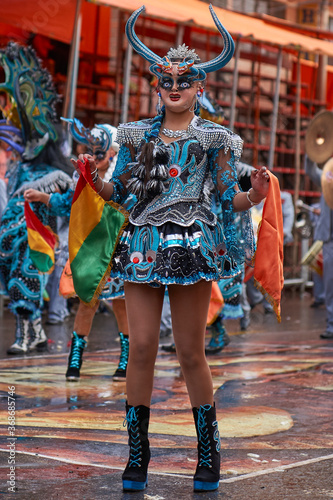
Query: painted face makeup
182	83
99	155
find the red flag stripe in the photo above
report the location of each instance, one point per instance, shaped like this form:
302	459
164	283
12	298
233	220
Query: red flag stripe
33	222
84	178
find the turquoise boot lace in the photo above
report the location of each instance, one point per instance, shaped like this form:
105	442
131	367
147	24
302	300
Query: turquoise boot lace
124	350
205	459
132	422
77	348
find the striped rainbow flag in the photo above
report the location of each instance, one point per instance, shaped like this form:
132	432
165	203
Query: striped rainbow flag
42	241
94	229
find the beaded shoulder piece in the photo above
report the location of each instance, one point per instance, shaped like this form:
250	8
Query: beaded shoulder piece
211	135
133	132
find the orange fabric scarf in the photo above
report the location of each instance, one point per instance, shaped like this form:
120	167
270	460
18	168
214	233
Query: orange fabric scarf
268	259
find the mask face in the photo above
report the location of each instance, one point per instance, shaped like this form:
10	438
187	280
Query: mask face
30	97
99	155
183	83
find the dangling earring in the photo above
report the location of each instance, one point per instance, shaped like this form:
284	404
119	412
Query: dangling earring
159	104
200	94
194	105
197	102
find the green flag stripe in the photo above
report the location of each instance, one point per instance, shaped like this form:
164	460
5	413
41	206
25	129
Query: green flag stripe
42	261
93	258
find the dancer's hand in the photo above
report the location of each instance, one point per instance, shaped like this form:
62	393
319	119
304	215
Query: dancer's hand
260	184
34	195
82	158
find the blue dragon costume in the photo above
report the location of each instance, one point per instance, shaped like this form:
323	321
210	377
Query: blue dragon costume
173	237
30	129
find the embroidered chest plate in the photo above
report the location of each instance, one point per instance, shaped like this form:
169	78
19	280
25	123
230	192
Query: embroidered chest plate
184	197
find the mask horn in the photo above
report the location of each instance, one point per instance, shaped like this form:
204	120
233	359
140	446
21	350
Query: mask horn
137	45
227	52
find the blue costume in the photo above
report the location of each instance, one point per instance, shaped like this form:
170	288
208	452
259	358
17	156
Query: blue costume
172	235
42	166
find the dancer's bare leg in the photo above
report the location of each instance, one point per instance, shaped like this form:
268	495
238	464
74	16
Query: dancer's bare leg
84	318
119	309
144	308
189	309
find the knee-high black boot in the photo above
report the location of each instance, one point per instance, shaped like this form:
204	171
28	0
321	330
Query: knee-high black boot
207	474
135	473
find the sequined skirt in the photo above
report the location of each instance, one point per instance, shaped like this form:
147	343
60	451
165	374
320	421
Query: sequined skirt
113	289
172	254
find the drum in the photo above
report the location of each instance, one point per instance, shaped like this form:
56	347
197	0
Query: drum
314	257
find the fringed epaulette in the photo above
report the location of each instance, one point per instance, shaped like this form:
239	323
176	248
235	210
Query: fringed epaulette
49	183
133	132
211	135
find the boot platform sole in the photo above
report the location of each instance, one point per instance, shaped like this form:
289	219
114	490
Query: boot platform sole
119	377
15	350
134	485
42	346
205	486
72	378
39	347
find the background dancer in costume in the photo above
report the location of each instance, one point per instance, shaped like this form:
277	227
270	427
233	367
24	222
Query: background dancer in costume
324	232
174	239
232	288
99	141
31	131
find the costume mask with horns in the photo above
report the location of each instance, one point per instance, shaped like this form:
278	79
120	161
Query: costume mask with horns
189	61
153	159
99	138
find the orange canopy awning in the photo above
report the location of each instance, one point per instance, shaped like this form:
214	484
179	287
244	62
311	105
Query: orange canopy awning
52	18
55	18
197	13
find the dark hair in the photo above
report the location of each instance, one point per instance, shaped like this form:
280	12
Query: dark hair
52	155
146	154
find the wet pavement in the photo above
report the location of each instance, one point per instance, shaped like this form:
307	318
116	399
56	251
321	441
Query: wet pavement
273	390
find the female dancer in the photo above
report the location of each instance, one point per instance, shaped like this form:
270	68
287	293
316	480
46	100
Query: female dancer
173	239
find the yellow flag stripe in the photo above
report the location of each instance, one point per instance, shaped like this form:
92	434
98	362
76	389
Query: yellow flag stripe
39	244
86	213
